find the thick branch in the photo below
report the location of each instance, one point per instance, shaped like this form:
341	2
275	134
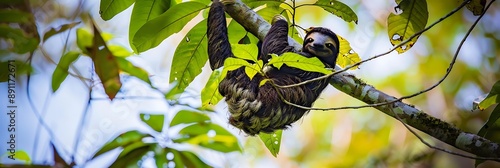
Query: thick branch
353	86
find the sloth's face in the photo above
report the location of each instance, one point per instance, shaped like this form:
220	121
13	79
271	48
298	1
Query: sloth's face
320	45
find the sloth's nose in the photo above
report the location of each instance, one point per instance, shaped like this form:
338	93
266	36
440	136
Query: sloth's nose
317	45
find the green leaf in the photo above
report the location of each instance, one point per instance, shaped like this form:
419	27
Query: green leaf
190	56
295	60
253	69
231	64
272	141
347	56
22	42
106	66
131	69
61	71
492	98
155	121
237	34
19	67
210	94
188	117
339	9
412	20
54	31
263	82
209	135
172	21
476	6
144	11
490	128
84	40
256	3
131	156
15	16
109	8
122	140
245	51
119	51
184	158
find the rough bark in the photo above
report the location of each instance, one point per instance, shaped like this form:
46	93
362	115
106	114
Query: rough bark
354	87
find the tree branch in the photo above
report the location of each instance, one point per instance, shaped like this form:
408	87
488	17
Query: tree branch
356	88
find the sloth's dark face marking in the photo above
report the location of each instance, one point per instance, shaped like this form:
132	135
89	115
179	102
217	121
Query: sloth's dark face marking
322	46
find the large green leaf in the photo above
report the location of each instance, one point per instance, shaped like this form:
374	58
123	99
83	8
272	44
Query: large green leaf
347	56
295	60
256	3
210	94
209	135
144	11
155	121
476	6
492	98
54	31
401	26
61	71
272	141
172	21
339	9
109	8
189	57
105	65
22	42
122	140
245	51
188	117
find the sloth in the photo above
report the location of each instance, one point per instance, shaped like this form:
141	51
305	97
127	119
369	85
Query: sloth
255	108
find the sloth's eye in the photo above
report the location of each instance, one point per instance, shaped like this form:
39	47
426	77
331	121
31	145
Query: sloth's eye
329	45
308	40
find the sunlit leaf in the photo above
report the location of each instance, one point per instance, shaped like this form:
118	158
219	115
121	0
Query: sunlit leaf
190	56
401	26
131	156
272	141
188	117
256	3
109	8
476	6
61	71
210	94
490	128
119	51
231	64
133	70
84	40
347	56
15	16
105	65
209	135
155	121
245	51
263	82
144	11
121	141
22	43
492	98
253	69
339	9
153	32
295	60
60	29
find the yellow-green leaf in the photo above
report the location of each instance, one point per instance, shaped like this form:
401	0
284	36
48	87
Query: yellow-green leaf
144	11
411	20
155	121
188	117
109	8
295	60
61	71
210	94
133	70
347	56
272	141
492	98
245	51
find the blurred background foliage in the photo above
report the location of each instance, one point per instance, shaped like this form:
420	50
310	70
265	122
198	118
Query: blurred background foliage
344	138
